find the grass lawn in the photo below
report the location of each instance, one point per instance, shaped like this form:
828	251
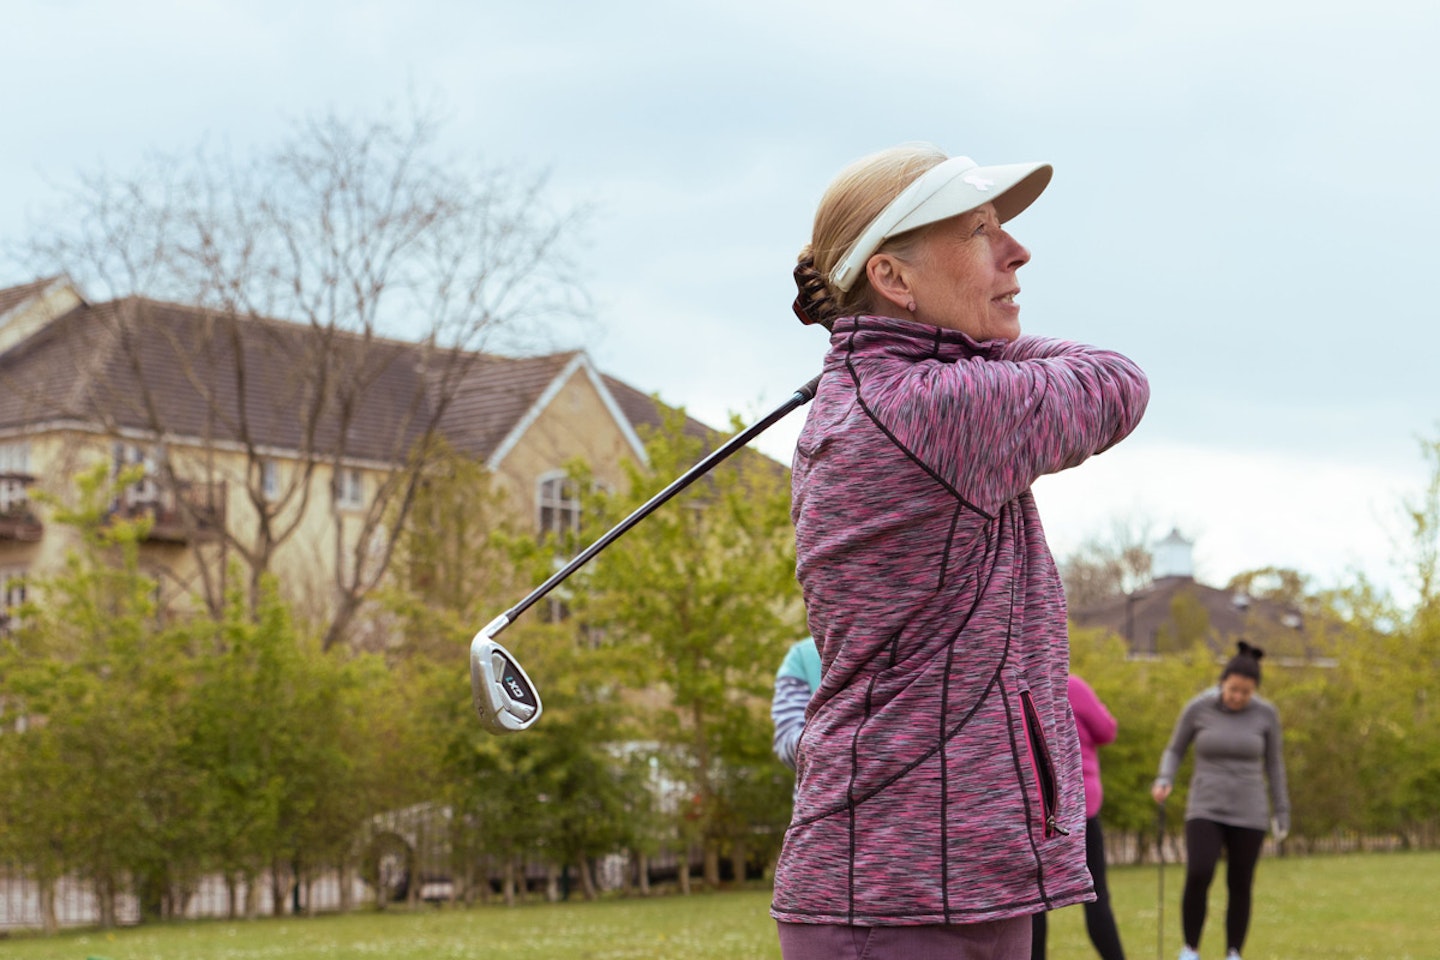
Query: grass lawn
1360	907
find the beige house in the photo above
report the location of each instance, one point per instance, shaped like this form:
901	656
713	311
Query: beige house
255	434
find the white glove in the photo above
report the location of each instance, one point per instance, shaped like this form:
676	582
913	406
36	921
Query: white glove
1277	831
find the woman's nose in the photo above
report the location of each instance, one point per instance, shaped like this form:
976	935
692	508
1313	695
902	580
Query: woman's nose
1016	256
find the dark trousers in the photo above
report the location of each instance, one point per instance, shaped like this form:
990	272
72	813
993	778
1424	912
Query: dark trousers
1203	842
1099	918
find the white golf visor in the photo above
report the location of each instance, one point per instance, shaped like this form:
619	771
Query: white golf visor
955	186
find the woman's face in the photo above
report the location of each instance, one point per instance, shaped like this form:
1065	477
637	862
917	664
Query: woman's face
1236	691
963	276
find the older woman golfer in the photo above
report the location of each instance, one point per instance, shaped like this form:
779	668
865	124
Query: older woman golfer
940	801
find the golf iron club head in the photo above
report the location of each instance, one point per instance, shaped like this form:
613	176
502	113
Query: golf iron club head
504	697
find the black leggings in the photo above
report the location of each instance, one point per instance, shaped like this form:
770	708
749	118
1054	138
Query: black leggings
1203	840
1099	919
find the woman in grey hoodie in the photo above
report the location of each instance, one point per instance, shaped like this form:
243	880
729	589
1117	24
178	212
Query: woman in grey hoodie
1237	750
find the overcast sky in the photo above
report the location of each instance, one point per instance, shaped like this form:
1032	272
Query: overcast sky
1245	199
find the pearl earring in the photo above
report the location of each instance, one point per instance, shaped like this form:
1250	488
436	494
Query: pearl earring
910	306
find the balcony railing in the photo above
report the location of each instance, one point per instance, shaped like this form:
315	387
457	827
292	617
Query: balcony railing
17	517
187	512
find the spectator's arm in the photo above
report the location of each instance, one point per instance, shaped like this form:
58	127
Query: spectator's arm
787	711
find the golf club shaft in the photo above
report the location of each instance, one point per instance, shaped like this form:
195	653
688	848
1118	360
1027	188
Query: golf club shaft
505	697
1160	896
799	398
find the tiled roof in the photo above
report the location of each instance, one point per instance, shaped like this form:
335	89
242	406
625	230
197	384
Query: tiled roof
12	297
1146	616
130	364
494	395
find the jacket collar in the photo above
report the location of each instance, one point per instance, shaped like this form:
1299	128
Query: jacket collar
908	340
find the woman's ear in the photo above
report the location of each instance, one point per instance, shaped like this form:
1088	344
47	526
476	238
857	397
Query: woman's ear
890	280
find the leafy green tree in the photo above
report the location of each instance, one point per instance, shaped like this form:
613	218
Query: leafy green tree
281	736
559	790
705	589
1146	697
97	684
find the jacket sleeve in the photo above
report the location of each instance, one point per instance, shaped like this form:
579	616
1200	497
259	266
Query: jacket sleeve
992	427
1179	742
787	713
1090	712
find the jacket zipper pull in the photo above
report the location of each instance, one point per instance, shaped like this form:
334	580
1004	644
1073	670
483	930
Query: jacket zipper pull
1055	827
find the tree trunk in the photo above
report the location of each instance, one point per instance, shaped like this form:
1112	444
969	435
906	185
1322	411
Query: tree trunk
347	895
105	894
739	857
685	873
48	920
252	895
642	873
412	893
553	893
279	888
712	865
507	882
587	878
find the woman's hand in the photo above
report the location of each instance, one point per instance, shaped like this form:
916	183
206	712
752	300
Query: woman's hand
1160	791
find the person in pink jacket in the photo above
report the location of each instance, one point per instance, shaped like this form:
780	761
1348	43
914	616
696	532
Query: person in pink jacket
939	799
1096	728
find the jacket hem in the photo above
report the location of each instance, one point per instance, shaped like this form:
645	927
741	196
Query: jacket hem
956	916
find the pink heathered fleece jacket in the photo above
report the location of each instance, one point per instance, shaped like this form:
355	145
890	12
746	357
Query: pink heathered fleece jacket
939	769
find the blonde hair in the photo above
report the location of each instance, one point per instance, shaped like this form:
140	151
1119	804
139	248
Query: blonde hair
854	198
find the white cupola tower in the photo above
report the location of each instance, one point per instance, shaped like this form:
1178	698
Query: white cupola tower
1174	558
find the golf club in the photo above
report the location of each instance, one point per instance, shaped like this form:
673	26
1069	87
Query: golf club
504	695
1160	905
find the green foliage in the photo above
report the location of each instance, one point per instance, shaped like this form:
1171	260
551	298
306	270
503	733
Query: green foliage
1188	625
559	791
1146	697
149	753
705	589
93	686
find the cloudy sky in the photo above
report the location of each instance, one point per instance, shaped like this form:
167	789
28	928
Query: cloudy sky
1245	199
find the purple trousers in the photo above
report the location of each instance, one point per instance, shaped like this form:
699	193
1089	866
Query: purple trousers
995	940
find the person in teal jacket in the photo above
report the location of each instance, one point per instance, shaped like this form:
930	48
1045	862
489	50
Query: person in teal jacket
795	683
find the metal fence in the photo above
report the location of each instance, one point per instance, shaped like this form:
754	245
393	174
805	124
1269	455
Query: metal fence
76	903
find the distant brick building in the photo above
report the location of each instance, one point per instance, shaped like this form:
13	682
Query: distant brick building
218	412
1175	610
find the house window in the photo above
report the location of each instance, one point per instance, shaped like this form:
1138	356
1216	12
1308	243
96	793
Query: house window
145	491
269	479
14	475
559	505
349	488
15	457
12	597
13	498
